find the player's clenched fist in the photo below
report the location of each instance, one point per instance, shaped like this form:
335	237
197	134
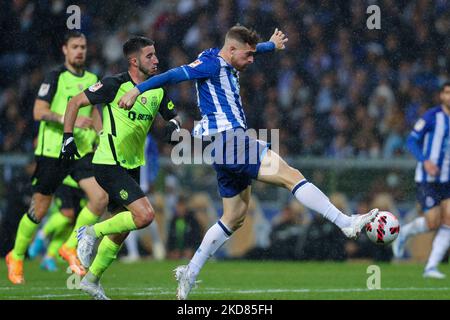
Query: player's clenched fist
69	148
279	38
128	99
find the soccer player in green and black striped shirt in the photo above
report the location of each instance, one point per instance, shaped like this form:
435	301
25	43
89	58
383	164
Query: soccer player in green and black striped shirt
57	89
118	157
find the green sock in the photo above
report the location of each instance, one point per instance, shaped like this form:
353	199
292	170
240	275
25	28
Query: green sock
25	233
58	238
57	221
121	222
106	254
85	218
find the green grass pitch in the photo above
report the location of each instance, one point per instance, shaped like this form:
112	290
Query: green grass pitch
234	280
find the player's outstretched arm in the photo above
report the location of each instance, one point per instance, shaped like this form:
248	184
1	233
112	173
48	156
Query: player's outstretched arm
172	76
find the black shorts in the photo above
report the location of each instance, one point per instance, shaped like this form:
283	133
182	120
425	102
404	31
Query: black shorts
121	185
50	173
69	197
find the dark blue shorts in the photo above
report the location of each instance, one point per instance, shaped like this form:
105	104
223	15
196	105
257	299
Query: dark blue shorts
431	195
237	158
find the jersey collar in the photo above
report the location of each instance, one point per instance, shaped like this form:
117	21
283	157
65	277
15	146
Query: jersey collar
74	74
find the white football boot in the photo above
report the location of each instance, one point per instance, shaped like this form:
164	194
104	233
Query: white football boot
186	281
95	290
86	246
358	222
434	273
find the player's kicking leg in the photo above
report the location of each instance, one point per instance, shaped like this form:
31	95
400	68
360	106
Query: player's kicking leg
275	170
440	245
234	211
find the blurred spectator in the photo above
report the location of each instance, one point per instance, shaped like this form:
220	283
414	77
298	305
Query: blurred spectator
18	200
325	241
288	235
184	232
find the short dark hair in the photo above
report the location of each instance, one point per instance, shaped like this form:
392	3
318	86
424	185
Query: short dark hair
135	44
72	34
243	35
445	85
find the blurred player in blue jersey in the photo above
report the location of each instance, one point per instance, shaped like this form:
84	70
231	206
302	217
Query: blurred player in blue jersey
216	72
429	142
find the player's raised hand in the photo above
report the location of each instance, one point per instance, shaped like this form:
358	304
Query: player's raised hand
279	38
128	99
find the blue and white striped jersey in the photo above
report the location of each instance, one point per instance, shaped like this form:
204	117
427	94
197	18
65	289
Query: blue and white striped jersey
432	134
218	98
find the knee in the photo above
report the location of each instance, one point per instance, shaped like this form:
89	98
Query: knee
144	217
101	201
434	223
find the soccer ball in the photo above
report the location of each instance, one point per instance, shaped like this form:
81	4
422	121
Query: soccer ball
384	229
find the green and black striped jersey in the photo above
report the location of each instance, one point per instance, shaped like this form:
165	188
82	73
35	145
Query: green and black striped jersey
124	132
59	86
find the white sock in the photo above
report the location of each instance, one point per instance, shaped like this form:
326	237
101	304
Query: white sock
312	198
418	225
214	238
131	242
440	246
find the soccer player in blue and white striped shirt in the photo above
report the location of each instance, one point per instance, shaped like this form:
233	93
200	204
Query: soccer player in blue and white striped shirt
216	72
429	142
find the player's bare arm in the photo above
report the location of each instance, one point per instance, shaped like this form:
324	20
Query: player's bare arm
96	120
42	112
70	118
69	148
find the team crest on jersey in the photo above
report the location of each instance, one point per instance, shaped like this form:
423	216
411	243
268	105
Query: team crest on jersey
95	87
419	125
123	194
143	100
195	63
43	90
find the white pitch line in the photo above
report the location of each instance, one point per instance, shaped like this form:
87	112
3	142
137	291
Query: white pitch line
213	291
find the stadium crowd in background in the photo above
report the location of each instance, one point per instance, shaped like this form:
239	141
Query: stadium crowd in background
338	92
